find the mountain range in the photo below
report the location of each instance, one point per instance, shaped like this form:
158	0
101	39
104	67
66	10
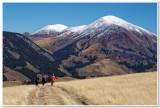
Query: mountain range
107	46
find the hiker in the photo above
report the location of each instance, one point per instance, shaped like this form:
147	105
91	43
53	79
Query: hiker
36	80
43	80
52	79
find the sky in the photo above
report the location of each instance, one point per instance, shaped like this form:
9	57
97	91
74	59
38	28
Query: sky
30	17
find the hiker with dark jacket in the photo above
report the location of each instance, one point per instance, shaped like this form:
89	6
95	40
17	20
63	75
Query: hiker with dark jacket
43	80
36	80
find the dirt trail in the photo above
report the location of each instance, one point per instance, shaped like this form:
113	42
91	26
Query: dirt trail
48	95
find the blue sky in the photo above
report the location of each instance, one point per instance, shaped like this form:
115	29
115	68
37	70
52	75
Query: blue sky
29	17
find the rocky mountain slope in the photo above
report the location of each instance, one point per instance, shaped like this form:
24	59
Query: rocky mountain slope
108	40
23	60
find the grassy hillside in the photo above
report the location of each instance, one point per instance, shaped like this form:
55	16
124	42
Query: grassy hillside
45	43
132	89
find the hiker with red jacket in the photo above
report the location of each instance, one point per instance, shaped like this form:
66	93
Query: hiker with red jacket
52	79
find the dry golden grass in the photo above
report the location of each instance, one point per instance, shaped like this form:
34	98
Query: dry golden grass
105	67
133	89
45	43
16	95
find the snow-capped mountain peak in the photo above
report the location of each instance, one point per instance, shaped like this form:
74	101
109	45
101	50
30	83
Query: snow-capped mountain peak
108	20
113	20
51	29
118	21
105	21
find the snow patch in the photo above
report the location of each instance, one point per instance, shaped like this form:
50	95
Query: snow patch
68	31
77	28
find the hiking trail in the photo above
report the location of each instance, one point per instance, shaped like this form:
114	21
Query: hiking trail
47	95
